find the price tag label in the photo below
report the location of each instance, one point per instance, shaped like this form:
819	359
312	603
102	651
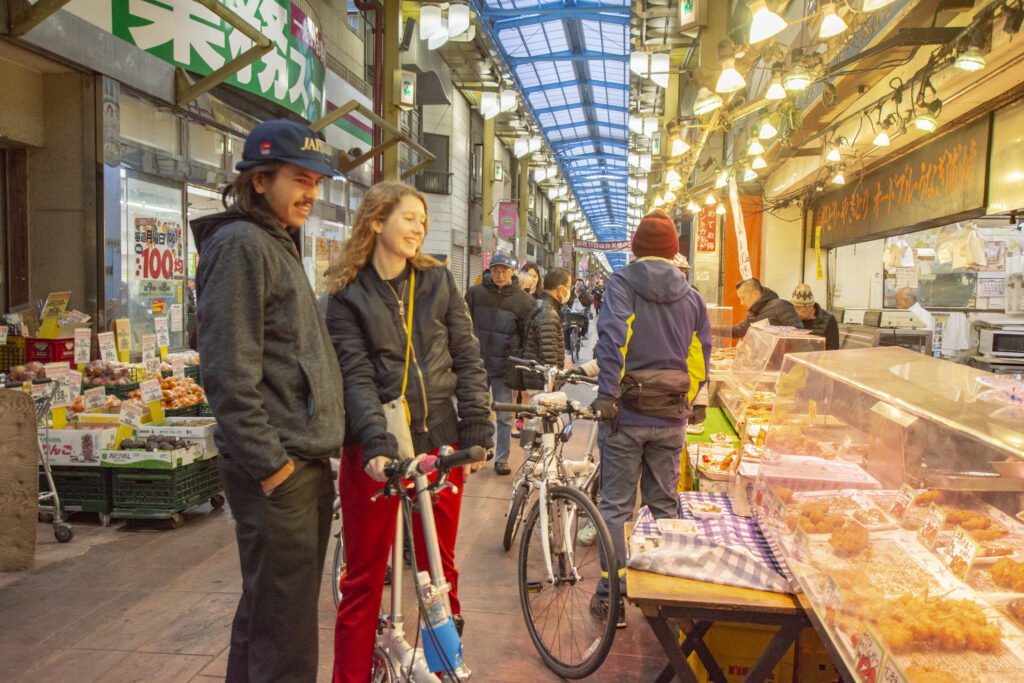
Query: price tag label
891	672
123	329
933	524
56	371
83	345
801	545
151	391
153	367
74	381
131	414
3	333
960	553
38	390
108	349
904	499
61	395
178	367
869	656
94	399
148	347
833	601
163	337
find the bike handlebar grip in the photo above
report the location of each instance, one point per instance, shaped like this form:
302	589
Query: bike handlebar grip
461	457
583	379
510	407
521	361
18	385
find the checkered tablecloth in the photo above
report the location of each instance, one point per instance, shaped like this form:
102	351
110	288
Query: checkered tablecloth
729	550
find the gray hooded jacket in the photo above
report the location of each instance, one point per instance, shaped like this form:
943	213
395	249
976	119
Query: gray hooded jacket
268	366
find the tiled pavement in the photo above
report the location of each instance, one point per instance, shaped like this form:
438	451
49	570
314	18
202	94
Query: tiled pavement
136	602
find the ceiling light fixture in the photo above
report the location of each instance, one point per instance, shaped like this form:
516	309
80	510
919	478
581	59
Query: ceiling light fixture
796	79
833	153
764	23
749	174
458	19
706	102
766	131
970	59
755	147
872	5
508	100
720	210
730	79
775	90
928	120
758	163
831	23
660	69
710	199
673	176
489	106
679	147
670	196
722	179
840	178
692	207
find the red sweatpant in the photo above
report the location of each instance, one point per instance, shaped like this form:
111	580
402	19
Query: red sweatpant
369	529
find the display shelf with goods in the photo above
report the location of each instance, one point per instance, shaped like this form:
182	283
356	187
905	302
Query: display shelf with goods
890	482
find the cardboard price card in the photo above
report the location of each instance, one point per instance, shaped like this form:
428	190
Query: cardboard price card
960	553
178	367
891	672
153	367
123	330
163	337
151	391
108	349
904	499
832	597
56	304
131	415
148	347
83	345
867	661
801	545
933	524
94	399
56	371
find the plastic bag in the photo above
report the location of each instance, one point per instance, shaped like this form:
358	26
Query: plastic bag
969	249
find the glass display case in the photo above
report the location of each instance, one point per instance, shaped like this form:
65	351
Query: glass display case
722	350
890	483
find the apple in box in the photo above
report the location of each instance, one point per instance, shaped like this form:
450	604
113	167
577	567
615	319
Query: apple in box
75	447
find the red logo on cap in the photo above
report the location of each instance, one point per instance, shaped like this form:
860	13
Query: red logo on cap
265	148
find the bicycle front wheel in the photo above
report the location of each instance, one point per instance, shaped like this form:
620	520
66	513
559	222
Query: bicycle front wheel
574	343
515	516
572	642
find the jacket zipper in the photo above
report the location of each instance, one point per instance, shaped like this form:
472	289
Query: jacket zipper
412	347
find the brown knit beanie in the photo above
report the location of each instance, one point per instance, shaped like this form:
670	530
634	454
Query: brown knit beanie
656	236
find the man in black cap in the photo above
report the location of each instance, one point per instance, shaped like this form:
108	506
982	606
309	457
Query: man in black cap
499	308
273	383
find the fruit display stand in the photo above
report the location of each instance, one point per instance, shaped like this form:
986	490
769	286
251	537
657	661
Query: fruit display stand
890	484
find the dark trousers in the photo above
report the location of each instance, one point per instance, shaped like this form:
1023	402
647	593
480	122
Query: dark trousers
282	542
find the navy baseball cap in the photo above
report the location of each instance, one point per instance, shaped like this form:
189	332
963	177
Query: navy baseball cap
284	140
500	259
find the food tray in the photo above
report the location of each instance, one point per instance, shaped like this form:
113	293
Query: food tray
885	565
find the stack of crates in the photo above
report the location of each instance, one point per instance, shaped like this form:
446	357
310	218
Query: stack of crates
83	488
50	350
12	354
159	494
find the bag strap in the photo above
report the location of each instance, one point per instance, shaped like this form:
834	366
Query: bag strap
408	343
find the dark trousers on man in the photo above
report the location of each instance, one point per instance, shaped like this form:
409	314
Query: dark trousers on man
282	543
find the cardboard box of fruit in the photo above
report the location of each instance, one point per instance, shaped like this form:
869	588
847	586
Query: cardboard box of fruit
154	453
76	447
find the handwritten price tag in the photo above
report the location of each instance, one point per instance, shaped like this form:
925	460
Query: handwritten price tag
178	367
833	600
108	350
163	337
3	333
904	499
148	347
94	399
56	371
960	553
891	672
83	345
869	656
151	391
933	524
131	415
153	367
801	545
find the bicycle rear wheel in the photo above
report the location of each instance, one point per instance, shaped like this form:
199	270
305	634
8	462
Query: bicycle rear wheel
571	641
515	515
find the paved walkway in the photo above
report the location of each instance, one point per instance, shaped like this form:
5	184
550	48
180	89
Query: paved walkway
136	602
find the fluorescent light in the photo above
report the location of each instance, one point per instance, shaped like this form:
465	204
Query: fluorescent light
767	130
775	90
755	147
660	68
764	23
831	23
706	102
730	80
796	79
758	163
970	59
679	147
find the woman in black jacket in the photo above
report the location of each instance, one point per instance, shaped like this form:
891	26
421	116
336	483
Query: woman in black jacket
366	317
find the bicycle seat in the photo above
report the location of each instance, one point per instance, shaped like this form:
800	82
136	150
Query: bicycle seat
554	399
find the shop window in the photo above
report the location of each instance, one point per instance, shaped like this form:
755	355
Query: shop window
148	125
321	246
206	145
152	258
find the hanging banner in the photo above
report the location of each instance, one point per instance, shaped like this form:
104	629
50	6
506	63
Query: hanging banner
186	34
590	245
707	230
159	258
817	253
584	262
741	231
508	218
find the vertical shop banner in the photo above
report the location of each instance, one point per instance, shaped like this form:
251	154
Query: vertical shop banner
707	230
188	35
485	258
159	259
584	262
820	272
508	216
741	231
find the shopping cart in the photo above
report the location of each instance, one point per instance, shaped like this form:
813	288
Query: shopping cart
42	395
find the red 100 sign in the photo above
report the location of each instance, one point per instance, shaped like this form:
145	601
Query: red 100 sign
155	264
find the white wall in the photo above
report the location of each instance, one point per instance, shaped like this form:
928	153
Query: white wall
781	249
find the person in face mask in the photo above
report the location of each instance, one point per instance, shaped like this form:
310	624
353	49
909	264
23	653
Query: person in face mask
542	339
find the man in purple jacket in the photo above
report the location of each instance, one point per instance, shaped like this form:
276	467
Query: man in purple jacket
644	439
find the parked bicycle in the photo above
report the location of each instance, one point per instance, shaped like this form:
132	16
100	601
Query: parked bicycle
574	325
557	571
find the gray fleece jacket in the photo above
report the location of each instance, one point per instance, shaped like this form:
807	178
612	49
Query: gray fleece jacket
268	366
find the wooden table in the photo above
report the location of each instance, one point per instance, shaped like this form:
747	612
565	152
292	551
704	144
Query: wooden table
698	605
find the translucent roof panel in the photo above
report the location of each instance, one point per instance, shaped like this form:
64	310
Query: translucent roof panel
608	71
549	98
602	36
612	97
530	40
537	74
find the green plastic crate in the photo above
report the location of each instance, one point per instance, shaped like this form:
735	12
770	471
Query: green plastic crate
119	390
203	410
84	488
160	493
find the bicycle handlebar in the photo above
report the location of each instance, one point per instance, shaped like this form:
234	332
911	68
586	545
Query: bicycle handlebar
445	461
573	408
512	408
18	385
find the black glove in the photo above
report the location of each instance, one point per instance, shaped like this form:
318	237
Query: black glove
608	408
578	370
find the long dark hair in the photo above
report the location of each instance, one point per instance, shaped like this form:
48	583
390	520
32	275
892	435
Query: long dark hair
244	197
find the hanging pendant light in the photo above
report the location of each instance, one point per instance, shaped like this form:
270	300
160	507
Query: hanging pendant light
970	59
673	177
758	163
840	177
720	210
882	139
722	179
831	23
670	196
706	102
796	79
766	131
749	174
764	23
833	153
755	147
775	90
730	80
928	120
679	147
692	207
710	199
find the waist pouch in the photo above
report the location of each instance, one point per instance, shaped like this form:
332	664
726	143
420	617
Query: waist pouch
657	393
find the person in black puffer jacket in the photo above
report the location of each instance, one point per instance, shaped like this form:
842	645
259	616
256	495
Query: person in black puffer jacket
381	274
499	308
543	337
762	304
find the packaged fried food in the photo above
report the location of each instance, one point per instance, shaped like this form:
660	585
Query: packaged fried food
849	539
